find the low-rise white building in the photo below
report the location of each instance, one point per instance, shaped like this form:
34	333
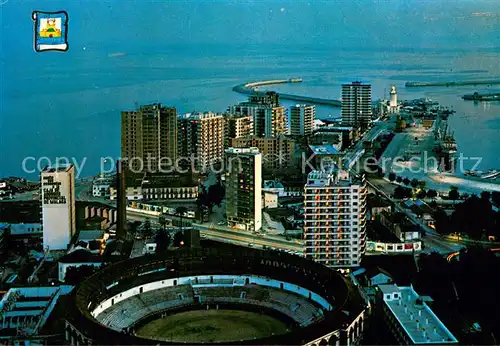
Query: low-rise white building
410	319
101	185
77	259
269	199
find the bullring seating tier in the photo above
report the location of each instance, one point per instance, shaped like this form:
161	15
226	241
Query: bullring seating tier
126	313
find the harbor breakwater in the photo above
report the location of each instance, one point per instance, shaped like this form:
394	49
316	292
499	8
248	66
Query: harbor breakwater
451	84
249	89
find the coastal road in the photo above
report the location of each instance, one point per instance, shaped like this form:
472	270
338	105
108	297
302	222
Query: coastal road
249	238
227	234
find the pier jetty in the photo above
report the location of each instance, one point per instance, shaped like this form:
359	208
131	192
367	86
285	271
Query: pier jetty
451	84
250	89
482	97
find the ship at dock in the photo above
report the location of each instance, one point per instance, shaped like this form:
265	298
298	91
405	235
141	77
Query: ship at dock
482	97
445	146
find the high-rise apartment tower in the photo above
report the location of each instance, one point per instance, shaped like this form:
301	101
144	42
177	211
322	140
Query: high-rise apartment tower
244	188
335	218
302	120
356	104
149	138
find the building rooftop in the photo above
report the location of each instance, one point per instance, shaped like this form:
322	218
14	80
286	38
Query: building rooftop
331	176
333	127
200	115
299	105
20	212
374	201
326	149
402	270
168	180
81	256
273	184
88	235
252	150
415	317
60	167
31	303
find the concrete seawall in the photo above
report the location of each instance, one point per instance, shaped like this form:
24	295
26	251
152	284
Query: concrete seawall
248	89
457	83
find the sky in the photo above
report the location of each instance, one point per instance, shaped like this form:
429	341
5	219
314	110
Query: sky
382	23
190	53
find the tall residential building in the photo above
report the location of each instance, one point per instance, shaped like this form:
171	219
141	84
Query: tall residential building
335	218
149	138
271	98
277	152
269	118
58	206
121	205
237	126
244	188
302	120
201	138
356	104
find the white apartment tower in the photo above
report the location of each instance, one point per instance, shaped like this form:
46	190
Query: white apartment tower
302	120
335	218
58	206
244	188
356	104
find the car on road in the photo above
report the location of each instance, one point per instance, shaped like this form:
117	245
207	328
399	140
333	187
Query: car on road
251	244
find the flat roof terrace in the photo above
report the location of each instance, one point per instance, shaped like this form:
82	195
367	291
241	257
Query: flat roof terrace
415	317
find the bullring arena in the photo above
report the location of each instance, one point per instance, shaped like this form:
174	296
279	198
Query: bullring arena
216	295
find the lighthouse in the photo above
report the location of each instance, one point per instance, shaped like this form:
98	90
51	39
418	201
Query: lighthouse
394	97
393	103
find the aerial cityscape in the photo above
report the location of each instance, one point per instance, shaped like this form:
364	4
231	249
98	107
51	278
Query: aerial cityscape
250	172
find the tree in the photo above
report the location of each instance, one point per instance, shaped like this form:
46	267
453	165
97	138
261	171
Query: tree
453	194
392	176
406	181
422	184
380	172
162	241
432	194
399	179
204	200
216	193
486	195
162	221
402	192
495	198
75	275
147	230
178	239
475	218
441	221
414	183
181	211
421	194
